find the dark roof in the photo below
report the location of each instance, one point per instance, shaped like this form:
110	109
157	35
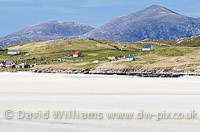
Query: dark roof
112	56
129	56
121	56
147	46
13	50
43	62
7	62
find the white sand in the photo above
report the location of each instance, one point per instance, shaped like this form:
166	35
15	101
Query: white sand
40	92
31	83
101	103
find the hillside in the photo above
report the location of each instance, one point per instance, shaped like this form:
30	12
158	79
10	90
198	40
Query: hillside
155	22
183	42
51	30
95	53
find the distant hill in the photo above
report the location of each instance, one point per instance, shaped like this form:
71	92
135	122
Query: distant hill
154	22
46	31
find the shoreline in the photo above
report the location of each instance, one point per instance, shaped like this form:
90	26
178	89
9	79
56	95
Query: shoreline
167	74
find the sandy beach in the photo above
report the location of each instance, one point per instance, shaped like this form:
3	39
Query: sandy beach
100	103
38	83
32	92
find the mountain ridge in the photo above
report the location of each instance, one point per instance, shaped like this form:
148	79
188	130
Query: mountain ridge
50	30
154	22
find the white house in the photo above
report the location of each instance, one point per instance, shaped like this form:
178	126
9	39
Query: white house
13	52
22	65
77	54
148	48
130	57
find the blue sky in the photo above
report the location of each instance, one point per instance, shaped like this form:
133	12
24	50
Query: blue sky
17	14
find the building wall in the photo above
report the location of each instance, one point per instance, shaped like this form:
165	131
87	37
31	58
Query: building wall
79	55
75	55
13	53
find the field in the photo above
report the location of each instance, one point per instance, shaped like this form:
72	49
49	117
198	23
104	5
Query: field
176	55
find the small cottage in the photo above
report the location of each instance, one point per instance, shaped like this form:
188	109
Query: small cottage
1	49
8	64
13	52
130	57
112	58
148	48
23	65
77	54
127	57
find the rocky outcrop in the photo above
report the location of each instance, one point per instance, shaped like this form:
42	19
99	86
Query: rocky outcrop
126	73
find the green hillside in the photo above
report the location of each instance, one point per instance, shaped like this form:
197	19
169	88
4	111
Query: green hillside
168	55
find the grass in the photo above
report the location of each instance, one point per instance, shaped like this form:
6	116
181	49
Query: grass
184	42
164	57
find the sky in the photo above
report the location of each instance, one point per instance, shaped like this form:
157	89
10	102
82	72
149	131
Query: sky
18	14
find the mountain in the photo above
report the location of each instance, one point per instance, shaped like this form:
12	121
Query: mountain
154	22
46	31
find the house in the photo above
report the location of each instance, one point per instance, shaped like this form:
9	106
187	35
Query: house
148	48
13	52
127	57
130	58
1	49
77	54
23	65
7	64
112	58
43	63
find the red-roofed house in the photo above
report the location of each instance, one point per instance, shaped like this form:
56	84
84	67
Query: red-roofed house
77	54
